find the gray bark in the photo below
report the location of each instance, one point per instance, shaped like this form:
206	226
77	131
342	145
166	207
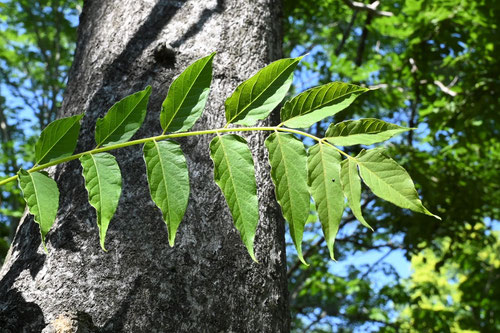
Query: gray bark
207	282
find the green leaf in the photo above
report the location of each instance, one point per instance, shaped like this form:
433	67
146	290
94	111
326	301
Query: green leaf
323	166
42	197
317	103
168	182
123	119
362	132
255	98
58	139
103	182
389	181
235	175
351	186
288	160
187	96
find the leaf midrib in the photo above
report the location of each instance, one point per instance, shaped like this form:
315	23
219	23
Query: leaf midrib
325	179
258	96
366	133
164	181
351	183
232	182
287	181
37	200
99	211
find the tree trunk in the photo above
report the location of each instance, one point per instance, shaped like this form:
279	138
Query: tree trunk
207	281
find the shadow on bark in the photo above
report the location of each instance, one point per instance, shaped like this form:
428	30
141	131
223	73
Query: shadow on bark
17	315
195	28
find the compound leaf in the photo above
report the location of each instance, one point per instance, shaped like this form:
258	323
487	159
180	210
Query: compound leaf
42	197
255	98
288	160
58	139
389	181
103	182
235	175
123	119
187	96
362	132
317	103
351	186
168	182
323	166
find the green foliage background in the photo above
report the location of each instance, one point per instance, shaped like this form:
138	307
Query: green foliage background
436	66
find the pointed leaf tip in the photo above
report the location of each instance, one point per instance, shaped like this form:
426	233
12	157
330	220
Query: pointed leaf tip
123	119
42	198
168	180
104	184
58	139
288	159
362	132
187	96
389	180
234	173
315	104
323	166
351	186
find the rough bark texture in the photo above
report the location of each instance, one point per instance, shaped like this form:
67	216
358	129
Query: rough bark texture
207	282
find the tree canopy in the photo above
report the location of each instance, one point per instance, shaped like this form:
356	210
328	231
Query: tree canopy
434	65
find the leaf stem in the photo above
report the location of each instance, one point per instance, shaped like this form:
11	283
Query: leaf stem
170	136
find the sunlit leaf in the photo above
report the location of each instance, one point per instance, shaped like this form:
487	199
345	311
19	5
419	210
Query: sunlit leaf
168	182
323	166
235	175
123	119
317	103
389	181
42	198
362	132
103	182
255	98
351	186
58	139
187	96
288	160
